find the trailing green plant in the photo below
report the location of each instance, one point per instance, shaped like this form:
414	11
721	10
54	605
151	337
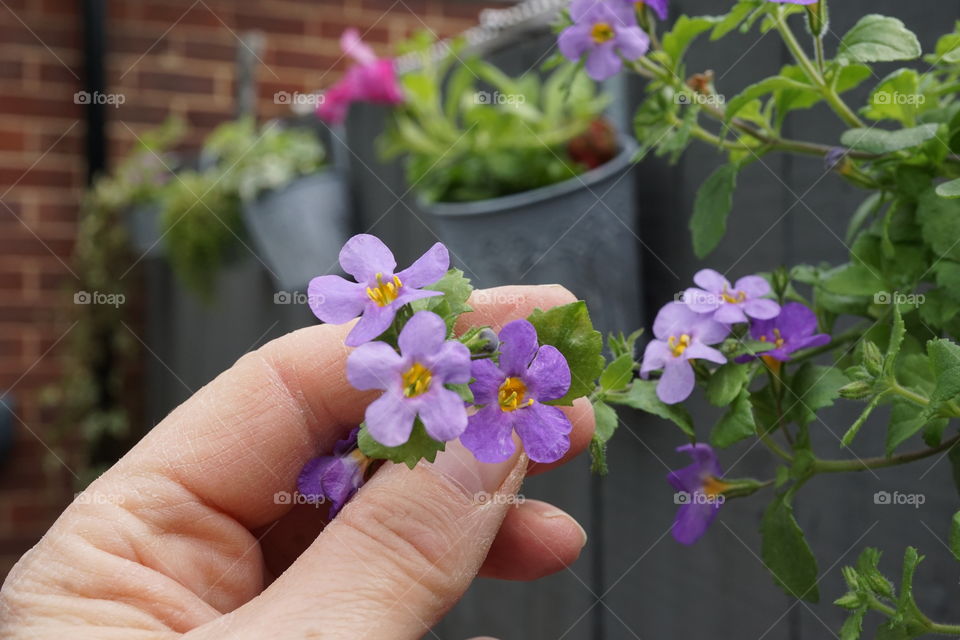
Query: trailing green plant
91	400
470	132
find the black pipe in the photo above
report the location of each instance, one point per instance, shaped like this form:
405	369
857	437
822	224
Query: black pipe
94	30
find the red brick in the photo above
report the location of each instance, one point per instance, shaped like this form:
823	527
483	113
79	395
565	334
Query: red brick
205	50
174	82
11	69
271	24
37	177
31	106
12	140
303	60
183	14
139	45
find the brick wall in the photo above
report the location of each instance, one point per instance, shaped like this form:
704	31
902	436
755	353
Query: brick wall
164	57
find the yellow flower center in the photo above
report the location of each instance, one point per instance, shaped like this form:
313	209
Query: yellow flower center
734	297
678	345
416	380
778	340
714	486
601	32
385	292
511	395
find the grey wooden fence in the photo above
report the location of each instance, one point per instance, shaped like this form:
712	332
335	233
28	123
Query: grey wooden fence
633	580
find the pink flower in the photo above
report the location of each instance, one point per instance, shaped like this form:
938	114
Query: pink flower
370	79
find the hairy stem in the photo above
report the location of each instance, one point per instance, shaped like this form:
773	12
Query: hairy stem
862	464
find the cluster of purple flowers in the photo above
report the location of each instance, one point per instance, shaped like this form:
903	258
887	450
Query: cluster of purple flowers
684	331
607	32
416	376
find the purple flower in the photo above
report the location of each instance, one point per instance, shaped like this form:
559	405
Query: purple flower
700	493
413	381
730	304
681	335
794	329
514	392
607	29
378	291
334	478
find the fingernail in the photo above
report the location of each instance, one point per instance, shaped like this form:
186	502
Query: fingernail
479	480
556	514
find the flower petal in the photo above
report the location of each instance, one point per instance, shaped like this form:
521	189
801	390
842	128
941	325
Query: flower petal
408	295
673	319
603	62
711	280
336	300
374	321
487	380
817	340
518	345
795	320
451	363
489	435
364	256
655	357
374	365
422	336
693	520
310	480
677	382
353	46
574	41
443	414
729	314
548	376
428	268
390	419
709	331
700	351
704	457
701	301
632	42
753	286
544	431
761	308
659	7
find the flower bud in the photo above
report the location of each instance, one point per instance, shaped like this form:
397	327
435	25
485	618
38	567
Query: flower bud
872	358
856	390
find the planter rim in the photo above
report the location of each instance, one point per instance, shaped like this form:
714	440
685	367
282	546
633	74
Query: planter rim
624	158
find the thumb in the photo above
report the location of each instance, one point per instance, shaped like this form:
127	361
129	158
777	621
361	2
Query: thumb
394	561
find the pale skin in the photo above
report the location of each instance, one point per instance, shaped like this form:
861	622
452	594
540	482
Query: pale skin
183	536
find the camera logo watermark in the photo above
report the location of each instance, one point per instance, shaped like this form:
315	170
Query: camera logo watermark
698	497
702	99
897	298
95	497
511	99
898	98
98	297
297	297
285	497
113	99
483	497
896	498
296	98
492	296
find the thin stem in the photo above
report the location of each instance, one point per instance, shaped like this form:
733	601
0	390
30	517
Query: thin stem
773	446
912	396
818	49
862	464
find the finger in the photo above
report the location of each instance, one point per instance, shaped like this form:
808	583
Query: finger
247	434
396	558
535	540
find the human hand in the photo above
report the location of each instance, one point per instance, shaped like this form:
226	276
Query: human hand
184	535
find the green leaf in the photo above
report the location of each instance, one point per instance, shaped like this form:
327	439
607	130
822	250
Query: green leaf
462	390
456	290
737	424
726	383
734	18
940	223
606	421
944	355
949	189
877	38
762	88
898	97
685	29
853	625
953	454
569	329
643	395
786	553
905	420
420	446
711	208
618	373
955	535
813	388
881	141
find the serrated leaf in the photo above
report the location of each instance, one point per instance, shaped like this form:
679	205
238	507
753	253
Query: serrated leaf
726	383
905	420
736	424
734	18
420	446
939	220
880	141
685	29
456	289
606	421
786	553
618	373
569	329
950	189
762	88
711	208
642	395
853	625
813	388
877	38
